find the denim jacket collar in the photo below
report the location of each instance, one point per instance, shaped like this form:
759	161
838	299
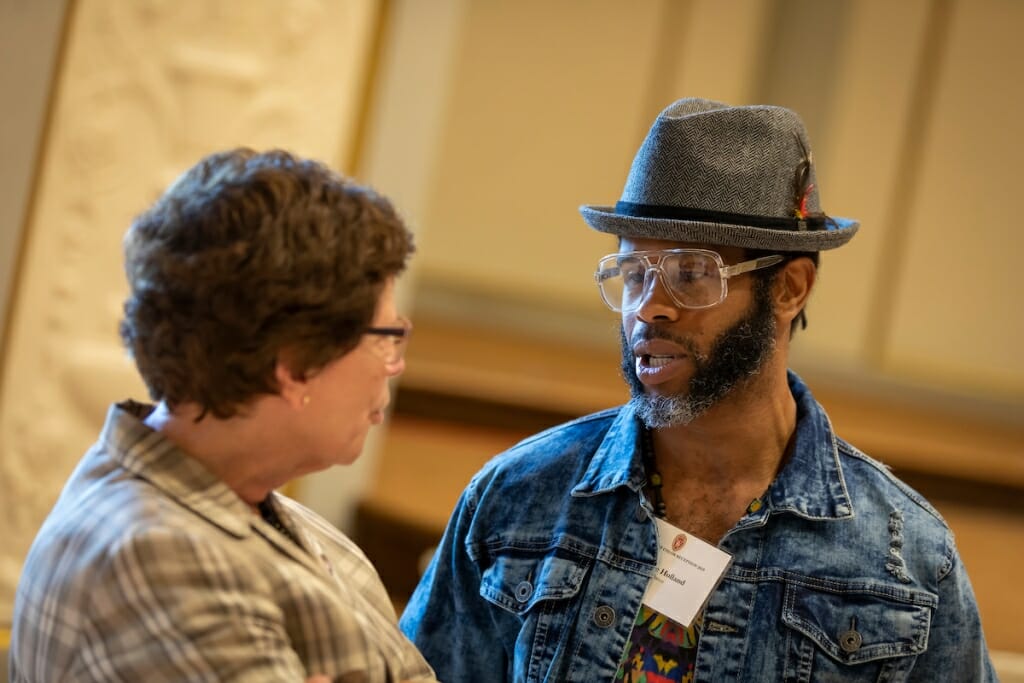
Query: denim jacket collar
616	462
810	485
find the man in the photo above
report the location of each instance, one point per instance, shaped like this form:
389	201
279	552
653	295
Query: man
714	528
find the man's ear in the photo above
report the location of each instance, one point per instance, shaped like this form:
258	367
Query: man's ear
292	387
793	287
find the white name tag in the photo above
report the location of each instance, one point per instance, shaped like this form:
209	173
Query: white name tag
688	571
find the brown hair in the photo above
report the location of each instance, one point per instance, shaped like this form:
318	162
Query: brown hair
247	255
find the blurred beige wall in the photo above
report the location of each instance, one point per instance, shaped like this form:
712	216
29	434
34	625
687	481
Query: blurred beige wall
913	108
489	122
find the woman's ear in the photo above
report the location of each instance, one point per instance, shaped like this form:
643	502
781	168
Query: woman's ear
793	287
292	387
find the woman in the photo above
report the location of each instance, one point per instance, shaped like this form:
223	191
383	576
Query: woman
262	319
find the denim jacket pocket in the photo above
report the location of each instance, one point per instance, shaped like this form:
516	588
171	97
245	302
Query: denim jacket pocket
864	634
517	583
538	593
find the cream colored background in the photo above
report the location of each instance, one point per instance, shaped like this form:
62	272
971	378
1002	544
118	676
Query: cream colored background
913	106
489	122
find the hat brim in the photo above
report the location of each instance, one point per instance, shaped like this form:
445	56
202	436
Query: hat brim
838	232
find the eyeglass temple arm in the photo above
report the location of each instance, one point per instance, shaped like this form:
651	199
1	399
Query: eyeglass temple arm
754	264
389	331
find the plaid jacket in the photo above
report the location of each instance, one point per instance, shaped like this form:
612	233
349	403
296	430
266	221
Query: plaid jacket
150	569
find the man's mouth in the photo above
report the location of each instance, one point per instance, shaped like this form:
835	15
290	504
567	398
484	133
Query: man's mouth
652	361
652	369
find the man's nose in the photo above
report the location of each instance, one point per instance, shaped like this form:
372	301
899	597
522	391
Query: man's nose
655	302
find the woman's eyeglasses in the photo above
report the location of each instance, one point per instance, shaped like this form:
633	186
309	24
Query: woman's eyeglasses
391	341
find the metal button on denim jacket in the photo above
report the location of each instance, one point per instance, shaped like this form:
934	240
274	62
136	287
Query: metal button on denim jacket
843	574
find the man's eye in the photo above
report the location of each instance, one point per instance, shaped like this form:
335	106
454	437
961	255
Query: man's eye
691	275
632	274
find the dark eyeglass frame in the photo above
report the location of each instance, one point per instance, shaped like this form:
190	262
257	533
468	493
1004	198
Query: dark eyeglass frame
399	335
390	331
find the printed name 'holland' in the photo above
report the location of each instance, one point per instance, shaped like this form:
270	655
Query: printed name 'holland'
672	577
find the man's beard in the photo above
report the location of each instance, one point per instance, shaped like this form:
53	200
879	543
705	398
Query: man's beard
736	355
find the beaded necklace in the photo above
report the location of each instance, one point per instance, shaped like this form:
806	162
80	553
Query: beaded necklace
654	476
271	517
651	471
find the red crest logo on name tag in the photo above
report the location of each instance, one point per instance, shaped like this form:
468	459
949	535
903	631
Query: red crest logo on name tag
678	542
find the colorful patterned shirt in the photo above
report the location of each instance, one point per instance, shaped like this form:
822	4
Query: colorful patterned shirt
659	650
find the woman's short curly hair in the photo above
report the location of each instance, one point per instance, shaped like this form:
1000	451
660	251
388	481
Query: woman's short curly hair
247	255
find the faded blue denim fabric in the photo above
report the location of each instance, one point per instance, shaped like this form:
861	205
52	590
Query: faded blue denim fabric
844	574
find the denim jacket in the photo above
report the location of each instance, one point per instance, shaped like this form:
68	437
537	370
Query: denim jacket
843	574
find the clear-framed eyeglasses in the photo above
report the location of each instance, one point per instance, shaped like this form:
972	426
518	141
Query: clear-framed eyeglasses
693	278
391	342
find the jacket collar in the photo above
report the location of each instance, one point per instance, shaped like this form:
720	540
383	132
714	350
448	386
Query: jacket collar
148	455
617	461
810	485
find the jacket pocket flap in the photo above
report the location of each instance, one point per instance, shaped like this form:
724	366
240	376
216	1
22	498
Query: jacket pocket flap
517	582
857	626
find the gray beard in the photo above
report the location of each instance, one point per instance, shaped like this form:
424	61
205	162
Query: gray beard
737	355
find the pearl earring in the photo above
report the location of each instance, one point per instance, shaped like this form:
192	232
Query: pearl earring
305	399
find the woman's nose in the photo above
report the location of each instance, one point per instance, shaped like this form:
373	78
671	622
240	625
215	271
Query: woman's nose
396	369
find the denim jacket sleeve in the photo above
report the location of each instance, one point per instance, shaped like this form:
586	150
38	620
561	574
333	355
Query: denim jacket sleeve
448	601
956	644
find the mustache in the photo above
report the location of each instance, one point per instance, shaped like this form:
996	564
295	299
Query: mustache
646	332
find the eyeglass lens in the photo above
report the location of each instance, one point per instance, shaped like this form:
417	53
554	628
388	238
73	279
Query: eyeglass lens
693	278
396	349
392	341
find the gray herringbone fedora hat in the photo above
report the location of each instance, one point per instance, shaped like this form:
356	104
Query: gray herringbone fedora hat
727	176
